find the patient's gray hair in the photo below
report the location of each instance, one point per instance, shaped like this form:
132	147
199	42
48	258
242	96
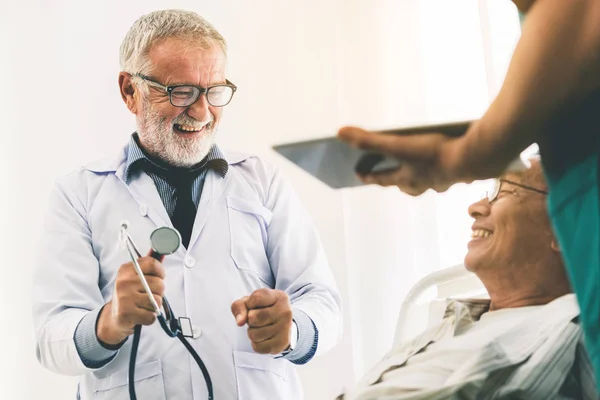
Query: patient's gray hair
534	175
159	25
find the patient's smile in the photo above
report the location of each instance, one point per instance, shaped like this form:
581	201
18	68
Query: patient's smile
481	234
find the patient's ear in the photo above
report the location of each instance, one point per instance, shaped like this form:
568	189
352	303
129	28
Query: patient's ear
555	246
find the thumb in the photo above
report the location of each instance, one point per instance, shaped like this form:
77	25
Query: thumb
409	147
240	310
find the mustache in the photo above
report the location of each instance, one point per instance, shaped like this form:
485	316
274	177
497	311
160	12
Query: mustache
192	122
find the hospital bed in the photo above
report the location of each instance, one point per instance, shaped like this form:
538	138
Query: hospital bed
424	304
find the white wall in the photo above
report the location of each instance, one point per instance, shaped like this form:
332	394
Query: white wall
303	69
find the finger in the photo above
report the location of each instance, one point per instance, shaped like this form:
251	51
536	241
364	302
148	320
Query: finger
274	345
262	317
409	147
137	316
158	299
399	178
264	333
416	179
263	298
271	315
387	178
145	317
151	267
157	286
142	301
366	140
407	179
240	310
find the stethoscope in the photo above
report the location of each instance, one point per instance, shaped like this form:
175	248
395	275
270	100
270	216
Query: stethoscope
164	241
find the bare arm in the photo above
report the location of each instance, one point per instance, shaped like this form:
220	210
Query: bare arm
556	63
552	89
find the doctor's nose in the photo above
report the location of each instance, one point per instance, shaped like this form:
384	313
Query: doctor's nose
200	110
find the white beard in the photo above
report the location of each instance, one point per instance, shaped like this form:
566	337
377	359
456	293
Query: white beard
161	141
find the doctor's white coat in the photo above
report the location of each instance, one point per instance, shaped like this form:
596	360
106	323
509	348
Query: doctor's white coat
250	232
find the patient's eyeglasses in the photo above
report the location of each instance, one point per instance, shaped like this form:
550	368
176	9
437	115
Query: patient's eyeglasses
185	95
492	195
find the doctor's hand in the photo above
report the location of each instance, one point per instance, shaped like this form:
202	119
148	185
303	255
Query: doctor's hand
428	161
130	304
268	313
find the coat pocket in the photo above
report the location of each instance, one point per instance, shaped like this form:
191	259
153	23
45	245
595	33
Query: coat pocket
261	376
148	384
248	223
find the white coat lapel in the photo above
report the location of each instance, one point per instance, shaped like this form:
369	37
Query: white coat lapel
214	186
145	193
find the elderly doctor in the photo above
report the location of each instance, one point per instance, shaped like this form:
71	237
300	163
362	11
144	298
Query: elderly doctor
251	274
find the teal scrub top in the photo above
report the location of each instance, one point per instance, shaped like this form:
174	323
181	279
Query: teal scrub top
571	163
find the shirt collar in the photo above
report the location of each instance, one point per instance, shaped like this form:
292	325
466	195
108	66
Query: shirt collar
465	312
473	308
215	159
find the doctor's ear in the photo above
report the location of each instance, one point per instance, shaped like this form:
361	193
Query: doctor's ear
127	89
555	246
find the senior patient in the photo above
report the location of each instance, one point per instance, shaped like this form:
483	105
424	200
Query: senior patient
525	341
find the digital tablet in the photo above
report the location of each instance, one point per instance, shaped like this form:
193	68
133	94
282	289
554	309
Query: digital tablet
336	163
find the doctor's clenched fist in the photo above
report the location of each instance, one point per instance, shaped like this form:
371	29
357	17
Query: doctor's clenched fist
268	313
130	304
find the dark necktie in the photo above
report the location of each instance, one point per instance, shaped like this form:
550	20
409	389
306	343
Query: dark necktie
185	210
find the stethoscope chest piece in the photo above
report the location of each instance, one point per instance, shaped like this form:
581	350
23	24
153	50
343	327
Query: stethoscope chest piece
165	240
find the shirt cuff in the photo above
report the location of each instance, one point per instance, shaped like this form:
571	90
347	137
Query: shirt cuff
308	338
92	352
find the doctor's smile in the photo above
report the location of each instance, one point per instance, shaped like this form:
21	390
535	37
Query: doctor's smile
246	302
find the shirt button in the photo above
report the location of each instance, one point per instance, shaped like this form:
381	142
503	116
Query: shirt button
190	262
196	332
143	210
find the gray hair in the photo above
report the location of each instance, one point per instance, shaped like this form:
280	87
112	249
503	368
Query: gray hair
158	25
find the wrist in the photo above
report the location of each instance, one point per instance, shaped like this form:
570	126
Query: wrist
107	335
455	160
478	154
293	339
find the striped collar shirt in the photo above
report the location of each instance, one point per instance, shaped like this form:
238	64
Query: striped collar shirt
136	156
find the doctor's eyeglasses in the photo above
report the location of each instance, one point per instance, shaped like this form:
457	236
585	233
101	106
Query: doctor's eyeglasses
185	95
492	195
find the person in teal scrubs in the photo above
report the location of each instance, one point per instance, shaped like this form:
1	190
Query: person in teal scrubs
550	96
